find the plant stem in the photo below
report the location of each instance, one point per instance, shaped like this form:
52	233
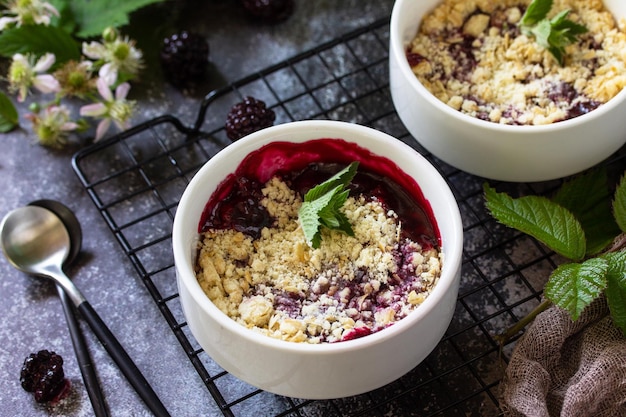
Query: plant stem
503	338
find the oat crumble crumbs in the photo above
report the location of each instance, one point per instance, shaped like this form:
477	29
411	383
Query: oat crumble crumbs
279	286
471	55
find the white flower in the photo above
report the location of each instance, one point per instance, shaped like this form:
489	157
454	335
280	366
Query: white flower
117	55
24	73
113	109
27	12
53	126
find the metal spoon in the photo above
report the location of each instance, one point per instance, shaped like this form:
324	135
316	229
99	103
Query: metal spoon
36	242
87	369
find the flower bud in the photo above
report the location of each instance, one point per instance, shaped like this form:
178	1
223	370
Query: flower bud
109	35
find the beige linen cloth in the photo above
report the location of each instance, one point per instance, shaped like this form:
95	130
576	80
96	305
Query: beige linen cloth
565	368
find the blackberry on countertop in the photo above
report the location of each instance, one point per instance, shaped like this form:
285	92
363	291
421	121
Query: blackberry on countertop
270	11
248	116
42	374
184	58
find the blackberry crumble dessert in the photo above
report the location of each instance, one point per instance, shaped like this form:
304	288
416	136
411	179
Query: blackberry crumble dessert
256	266
473	56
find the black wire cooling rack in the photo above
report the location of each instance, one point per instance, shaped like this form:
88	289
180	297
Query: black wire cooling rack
137	178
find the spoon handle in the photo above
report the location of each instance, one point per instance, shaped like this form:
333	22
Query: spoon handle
92	385
124	362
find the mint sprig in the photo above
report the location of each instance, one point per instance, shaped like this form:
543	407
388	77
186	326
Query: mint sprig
322	204
583	223
553	34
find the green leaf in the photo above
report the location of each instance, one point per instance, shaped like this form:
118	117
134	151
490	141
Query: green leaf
343	178
542	33
310	218
567	28
554	34
541	218
65	20
39	40
616	287
92	17
9	118
619	204
536	11
574	286
587	196
322	204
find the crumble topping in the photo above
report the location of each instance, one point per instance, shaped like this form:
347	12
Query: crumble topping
472	55
349	287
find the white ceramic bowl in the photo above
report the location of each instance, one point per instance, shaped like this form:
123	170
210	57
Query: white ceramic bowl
491	150
329	370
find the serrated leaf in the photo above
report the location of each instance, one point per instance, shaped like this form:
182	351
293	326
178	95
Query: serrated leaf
311	216
541	32
587	196
616	288
92	17
39	40
310	223
540	218
619	204
574	286
566	27
558	53
536	11
554	34
321	206
65	20
341	178
344	224
9	118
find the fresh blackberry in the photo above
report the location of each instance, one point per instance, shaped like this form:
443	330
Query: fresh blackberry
270	11
42	374
248	116
184	58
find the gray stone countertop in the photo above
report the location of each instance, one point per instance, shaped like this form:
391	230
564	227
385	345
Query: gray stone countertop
32	317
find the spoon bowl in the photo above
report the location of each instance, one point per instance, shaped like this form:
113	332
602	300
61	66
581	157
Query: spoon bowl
34	239
71	223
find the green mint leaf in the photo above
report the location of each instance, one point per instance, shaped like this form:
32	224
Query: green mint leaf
322	204
540	218
574	286
343	178
39	40
619	204
92	17
536	11
558	53
344	225
9	118
553	34
310	219
541	32
566	27
616	287
588	197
